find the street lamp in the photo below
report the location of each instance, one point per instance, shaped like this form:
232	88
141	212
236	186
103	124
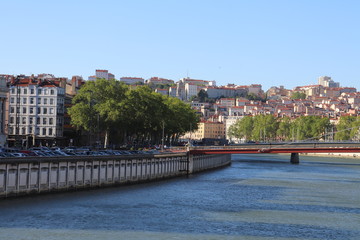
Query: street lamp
163	133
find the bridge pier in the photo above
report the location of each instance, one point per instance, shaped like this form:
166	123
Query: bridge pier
294	159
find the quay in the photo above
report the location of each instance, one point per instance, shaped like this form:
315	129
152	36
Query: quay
35	175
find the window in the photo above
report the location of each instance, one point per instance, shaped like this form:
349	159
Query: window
31	100
13	91
51	101
39	91
38	120
38	110
52	92
32	91
24	109
11	119
31	120
50	131
51	121
44	131
12	100
24	100
23	131
51	110
30	130
23	120
45	101
44	110
39	100
12	109
45	91
25	91
31	110
44	121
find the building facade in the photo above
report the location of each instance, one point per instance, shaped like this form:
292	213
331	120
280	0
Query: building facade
132	80
36	112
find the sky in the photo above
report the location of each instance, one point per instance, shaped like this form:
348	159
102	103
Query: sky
268	42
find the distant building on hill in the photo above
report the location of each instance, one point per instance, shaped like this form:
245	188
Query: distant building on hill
327	82
132	80
103	74
159	81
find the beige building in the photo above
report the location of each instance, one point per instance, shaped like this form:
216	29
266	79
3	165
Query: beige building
214	130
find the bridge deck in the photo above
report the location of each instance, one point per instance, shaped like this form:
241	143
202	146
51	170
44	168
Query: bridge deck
279	148
273	150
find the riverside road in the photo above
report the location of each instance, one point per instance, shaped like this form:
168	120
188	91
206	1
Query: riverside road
258	197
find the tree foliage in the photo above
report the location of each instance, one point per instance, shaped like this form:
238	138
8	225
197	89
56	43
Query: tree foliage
348	128
138	115
270	128
298	95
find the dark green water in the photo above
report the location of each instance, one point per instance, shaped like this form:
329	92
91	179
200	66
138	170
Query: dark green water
258	197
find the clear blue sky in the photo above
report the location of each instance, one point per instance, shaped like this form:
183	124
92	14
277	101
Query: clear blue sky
268	42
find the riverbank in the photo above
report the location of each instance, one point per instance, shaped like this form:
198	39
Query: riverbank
339	155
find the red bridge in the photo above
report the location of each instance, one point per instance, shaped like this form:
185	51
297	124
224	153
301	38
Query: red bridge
293	148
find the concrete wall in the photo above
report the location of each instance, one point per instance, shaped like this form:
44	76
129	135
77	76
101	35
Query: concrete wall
37	175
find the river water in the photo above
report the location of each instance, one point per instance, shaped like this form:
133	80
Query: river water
258	197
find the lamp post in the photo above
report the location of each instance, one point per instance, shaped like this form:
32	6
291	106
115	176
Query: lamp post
163	133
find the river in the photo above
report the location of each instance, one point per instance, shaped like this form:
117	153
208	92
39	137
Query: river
258	197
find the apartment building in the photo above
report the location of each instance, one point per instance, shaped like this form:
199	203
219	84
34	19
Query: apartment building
36	112
209	130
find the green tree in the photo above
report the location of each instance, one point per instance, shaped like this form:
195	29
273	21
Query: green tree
347	128
309	127
242	129
298	95
284	130
264	127
98	106
180	119
202	95
144	110
150	113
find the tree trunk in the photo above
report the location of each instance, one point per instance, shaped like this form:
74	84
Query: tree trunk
106	141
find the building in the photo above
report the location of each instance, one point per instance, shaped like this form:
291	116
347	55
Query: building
198	82
103	74
191	90
209	130
225	92
277	92
36	112
162	91
187	87
158	81
132	80
327	82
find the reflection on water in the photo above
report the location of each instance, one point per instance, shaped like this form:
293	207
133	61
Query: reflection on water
258	197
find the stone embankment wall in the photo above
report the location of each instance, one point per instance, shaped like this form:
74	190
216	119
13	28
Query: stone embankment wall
34	175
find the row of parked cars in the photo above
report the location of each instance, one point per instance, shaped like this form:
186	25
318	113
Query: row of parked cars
69	151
